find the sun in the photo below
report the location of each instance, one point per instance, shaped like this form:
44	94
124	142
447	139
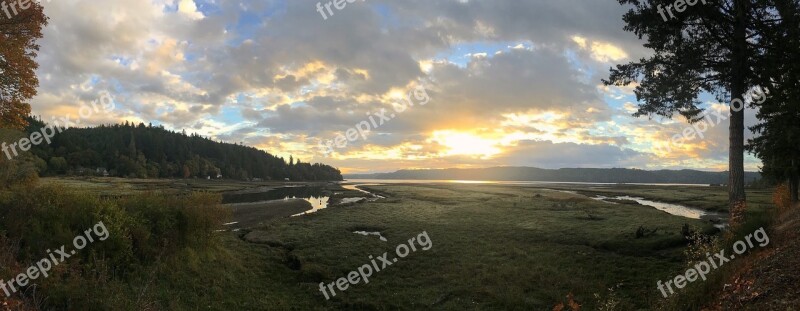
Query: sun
466	144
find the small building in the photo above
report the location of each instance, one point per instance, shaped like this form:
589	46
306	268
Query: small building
101	171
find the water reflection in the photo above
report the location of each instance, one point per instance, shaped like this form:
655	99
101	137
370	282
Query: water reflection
317	203
674	209
498	182
268	194
356	188
318	197
365	233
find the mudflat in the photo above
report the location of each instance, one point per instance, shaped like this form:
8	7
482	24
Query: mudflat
249	215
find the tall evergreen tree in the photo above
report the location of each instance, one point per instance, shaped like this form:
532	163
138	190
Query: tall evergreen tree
708	47
778	134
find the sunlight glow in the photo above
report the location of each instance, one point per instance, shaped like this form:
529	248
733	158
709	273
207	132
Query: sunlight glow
458	143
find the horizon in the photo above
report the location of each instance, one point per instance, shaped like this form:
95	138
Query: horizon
232	72
399	154
561	168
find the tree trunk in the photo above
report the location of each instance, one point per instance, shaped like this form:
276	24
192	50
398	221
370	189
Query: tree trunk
793	179
736	194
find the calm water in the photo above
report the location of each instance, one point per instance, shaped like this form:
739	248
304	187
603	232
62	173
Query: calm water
317	196
674	209
491	182
355	188
274	194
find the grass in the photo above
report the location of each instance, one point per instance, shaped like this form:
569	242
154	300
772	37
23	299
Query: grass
708	198
494	247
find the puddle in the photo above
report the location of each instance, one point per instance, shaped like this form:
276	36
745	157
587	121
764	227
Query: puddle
316	204
365	233
229	224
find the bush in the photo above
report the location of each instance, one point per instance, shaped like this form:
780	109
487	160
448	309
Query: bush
143	230
21	168
162	225
782	198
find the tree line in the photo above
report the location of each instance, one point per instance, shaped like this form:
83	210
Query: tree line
147	151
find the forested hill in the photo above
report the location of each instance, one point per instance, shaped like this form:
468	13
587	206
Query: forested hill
153	152
599	175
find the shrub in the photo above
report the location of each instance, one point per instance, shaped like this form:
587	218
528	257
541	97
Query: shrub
162	225
570	303
143	230
782	198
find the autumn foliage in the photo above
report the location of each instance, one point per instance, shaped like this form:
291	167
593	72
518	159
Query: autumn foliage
570	304
782	198
18	50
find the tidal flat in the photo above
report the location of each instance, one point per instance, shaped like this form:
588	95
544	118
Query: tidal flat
509	247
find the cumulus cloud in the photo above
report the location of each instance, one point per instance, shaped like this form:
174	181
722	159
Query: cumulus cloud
511	82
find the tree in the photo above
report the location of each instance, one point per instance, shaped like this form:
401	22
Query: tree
778	140
707	48
18	50
58	165
21	170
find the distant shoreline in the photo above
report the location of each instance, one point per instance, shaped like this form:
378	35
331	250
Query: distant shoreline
603	176
506	182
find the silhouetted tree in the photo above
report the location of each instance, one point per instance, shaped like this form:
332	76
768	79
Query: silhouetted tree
777	143
709	47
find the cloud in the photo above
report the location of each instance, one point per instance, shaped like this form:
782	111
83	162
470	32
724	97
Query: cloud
509	80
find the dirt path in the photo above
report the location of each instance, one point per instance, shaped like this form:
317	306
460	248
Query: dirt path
771	280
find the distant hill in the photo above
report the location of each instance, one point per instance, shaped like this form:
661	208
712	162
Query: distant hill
146	151
598	175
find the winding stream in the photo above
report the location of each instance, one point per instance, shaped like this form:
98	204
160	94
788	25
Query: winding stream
318	197
673	209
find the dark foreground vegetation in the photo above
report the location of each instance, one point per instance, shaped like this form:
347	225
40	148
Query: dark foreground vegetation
149	234
494	247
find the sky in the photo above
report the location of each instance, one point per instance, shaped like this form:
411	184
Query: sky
492	82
